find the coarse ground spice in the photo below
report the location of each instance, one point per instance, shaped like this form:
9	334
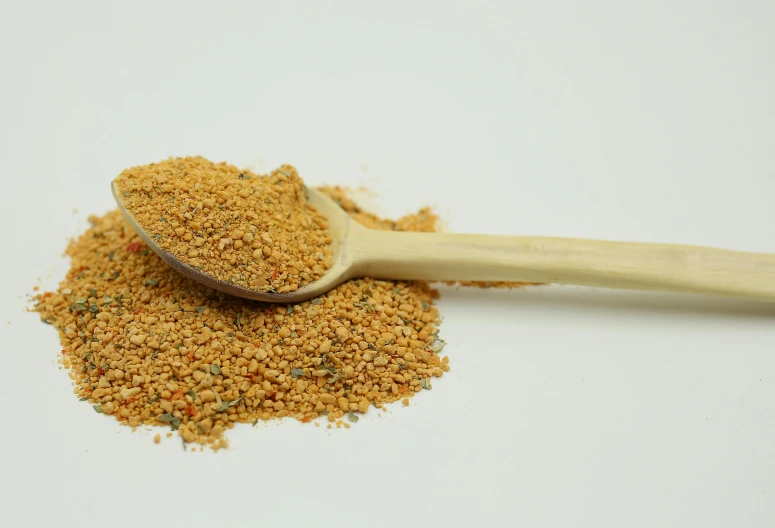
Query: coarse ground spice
254	231
149	346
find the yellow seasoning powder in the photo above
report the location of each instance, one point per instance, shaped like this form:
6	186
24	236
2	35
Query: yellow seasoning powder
254	231
147	345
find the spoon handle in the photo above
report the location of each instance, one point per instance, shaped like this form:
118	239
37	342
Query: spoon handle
620	265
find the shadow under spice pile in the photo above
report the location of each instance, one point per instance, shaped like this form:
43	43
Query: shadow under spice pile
148	346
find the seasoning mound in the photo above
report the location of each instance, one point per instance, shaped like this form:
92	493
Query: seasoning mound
254	231
149	346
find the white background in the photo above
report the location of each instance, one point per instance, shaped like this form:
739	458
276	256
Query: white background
643	121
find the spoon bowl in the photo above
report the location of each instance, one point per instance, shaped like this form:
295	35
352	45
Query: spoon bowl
339	225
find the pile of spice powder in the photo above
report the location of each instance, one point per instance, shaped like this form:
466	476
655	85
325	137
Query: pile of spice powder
254	231
149	346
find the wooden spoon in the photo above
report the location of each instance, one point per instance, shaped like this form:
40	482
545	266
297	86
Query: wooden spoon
394	255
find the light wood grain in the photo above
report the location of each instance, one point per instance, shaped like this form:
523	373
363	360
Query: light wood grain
620	265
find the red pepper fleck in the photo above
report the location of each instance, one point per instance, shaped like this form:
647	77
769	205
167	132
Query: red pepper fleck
137	310
83	268
100	372
64	351
134	247
306	419
130	400
274	273
168	294
252	378
191	410
122	233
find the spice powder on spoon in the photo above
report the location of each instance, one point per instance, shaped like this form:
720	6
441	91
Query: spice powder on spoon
254	231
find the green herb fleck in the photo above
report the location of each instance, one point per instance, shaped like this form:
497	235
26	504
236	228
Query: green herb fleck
437	346
296	372
215	369
192	394
200	309
168	418
425	384
151	282
352	417
92	292
97	408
